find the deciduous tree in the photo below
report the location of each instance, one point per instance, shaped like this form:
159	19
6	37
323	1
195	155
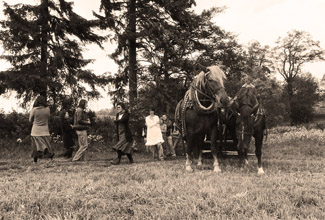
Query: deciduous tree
290	54
304	97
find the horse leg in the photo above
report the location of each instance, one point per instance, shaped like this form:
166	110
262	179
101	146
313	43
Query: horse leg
258	152
199	144
199	160
242	152
245	149
245	156
189	147
188	163
214	152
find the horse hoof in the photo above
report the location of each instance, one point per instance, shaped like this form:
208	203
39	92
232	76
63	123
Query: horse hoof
260	171
189	169
216	169
199	165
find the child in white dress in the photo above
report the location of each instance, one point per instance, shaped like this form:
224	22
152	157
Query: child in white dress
154	135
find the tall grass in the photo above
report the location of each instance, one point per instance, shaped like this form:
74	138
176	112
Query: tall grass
292	188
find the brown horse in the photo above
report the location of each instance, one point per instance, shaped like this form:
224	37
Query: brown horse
198	114
250	122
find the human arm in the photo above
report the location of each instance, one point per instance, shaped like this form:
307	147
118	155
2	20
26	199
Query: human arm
151	123
81	117
31	116
125	118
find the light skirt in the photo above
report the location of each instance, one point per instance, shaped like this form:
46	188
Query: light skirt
154	136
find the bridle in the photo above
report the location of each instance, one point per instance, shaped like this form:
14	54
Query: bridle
213	98
242	132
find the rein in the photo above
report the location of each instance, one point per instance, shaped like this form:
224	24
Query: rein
202	93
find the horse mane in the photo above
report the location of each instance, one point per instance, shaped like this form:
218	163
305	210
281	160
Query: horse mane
200	80
216	74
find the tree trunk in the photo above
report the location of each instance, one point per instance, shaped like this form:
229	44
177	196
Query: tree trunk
132	55
290	95
44	42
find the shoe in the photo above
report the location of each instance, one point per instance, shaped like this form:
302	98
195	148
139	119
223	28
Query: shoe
48	155
116	161
131	162
173	155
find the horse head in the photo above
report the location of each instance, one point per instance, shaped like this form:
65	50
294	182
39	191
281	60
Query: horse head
214	82
245	104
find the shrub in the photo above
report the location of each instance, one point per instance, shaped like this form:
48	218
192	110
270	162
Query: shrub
103	127
15	125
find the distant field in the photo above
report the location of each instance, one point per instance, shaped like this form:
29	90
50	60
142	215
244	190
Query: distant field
320	118
293	186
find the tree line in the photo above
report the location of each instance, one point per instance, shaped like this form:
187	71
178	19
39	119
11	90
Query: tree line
160	47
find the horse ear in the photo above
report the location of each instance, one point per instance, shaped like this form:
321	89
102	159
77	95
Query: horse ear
234	105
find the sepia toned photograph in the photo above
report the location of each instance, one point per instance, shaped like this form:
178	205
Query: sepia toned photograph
162	109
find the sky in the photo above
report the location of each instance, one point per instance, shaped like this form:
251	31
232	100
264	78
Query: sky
251	20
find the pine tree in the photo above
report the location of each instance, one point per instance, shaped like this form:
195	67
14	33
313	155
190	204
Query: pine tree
133	23
170	41
44	44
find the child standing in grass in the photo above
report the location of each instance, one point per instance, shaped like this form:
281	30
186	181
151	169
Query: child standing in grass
154	135
40	135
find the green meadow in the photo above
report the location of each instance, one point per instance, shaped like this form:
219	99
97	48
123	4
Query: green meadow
293	186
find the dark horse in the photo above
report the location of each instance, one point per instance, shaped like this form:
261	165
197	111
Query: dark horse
198	114
250	122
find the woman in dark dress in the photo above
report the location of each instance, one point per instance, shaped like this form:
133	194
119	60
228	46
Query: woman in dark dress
68	134
124	136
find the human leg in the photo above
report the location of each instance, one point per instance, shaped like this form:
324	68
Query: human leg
118	159
171	146
83	145
68	143
160	151
165	144
130	158
153	150
176	141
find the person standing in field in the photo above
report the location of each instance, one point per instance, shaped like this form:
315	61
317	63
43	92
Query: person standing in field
177	139
169	135
154	135
81	124
67	131
164	130
123	133
40	135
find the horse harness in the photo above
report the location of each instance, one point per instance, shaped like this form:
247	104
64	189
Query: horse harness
260	111
192	101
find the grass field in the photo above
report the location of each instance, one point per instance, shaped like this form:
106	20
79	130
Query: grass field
293	186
